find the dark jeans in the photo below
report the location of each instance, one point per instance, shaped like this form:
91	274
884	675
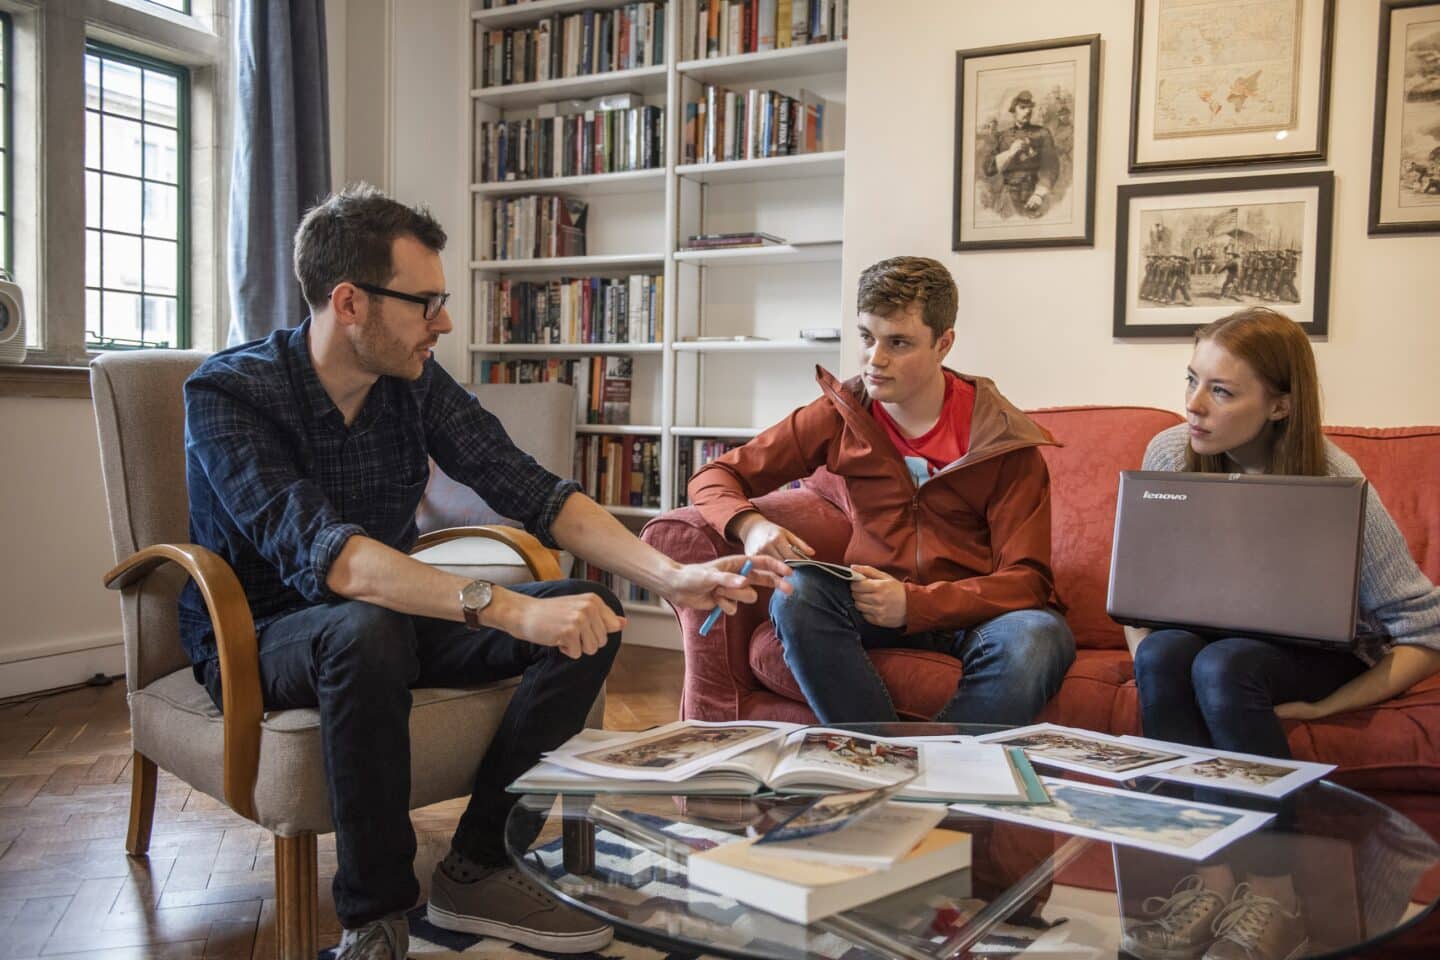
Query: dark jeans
1223	693
357	663
1013	663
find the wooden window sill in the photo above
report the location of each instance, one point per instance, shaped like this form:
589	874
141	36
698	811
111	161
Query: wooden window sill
41	380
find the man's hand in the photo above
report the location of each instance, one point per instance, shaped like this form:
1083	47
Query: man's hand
880	598
1300	710
718	583
578	624
765	539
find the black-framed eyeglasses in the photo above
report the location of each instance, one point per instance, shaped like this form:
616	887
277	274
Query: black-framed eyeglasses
433	302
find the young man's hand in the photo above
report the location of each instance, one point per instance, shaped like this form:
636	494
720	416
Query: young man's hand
765	539
578	624
880	598
718	583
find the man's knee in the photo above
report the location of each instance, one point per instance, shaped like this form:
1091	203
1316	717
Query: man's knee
815	595
372	640
1039	642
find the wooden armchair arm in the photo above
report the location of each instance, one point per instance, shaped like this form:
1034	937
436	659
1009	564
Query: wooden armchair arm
239	657
540	559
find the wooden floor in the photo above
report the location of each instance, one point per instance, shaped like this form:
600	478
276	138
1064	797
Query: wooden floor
67	889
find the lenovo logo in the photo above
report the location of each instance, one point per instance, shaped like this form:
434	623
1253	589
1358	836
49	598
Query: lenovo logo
1152	495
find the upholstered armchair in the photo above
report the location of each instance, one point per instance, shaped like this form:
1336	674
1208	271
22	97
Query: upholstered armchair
266	766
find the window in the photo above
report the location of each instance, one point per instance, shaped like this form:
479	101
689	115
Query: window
136	203
7	134
179	6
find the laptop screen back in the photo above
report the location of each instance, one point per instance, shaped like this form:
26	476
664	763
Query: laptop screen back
1256	556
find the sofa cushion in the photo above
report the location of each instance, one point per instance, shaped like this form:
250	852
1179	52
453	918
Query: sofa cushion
1098	693
1401	462
1394	745
1098	443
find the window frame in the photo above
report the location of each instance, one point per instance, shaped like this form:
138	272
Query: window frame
7	121
182	74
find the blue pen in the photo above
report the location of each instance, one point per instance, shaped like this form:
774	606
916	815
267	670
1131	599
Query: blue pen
715	614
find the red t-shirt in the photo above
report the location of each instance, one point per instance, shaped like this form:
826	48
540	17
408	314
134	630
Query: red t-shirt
943	443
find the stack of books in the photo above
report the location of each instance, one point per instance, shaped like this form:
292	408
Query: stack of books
724	241
529	227
722	28
753	124
571	310
574	144
584	43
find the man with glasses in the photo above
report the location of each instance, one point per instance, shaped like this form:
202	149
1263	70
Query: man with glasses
306	456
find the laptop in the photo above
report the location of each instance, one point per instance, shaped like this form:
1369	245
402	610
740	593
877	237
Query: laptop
1270	557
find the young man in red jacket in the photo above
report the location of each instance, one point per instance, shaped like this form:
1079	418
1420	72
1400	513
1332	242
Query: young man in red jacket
950	509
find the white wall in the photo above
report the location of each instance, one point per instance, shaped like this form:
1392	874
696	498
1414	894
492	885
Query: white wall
1039	322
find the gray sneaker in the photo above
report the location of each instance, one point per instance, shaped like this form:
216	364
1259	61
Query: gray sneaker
1253	927
1181	928
507	905
387	939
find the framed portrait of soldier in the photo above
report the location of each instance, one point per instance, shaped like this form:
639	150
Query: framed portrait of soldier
1025	125
1189	252
1405	159
1221	83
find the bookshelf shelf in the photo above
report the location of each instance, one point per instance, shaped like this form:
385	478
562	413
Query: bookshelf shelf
802	166
649	609
756	346
819	252
523	13
646	80
620	429
589	264
571	349
589	185
716	433
747	68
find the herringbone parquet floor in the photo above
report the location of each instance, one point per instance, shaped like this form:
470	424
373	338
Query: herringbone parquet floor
68	890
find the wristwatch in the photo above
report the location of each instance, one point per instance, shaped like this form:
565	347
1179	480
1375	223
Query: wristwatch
474	597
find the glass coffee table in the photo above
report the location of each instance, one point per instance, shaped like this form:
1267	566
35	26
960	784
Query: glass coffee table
1357	866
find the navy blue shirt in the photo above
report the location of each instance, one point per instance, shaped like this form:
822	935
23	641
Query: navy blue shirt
278	483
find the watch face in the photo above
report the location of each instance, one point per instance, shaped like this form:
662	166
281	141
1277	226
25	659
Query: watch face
476	594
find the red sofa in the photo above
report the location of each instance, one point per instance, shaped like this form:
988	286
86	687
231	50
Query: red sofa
1390	751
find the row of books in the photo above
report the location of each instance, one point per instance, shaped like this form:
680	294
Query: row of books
602	383
752	124
571	310
691	455
624	589
577	45
532	226
596	141
723	28
619	471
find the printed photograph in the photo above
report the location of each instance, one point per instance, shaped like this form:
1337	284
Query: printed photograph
1236	254
1226	66
1085	753
870	758
1419	166
1227	770
1239	772
827	813
670	750
1190	830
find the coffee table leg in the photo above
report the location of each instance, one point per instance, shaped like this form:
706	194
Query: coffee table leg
577	833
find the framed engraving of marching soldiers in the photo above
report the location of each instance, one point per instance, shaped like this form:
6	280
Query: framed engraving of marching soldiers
1228	82
1190	252
1025	121
1405	159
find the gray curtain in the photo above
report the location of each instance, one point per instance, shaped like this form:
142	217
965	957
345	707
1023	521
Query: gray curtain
281	164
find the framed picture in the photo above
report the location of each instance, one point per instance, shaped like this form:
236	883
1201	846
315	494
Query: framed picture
1405	162
1226	82
1193	251
1025	144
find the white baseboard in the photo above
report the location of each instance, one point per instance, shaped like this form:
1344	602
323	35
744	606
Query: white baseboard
59	665
642	630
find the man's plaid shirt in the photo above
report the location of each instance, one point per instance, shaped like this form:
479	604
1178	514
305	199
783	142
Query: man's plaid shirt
278	483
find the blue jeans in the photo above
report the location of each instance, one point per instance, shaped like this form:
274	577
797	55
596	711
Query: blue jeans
1223	693
357	664
1013	663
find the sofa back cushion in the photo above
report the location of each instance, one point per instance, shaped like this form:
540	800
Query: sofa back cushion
1402	463
1099	442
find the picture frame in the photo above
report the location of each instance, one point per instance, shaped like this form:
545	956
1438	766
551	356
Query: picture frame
1405	154
1190	252
1220	83
1026	118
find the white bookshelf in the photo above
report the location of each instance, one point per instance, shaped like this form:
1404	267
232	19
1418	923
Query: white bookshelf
686	388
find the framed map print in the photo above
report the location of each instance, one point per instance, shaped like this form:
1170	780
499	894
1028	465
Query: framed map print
1226	82
1405	159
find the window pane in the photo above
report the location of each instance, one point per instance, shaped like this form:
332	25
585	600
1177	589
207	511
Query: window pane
120	204
162	98
122	315
92	258
120	146
160	210
92	199
121	268
162	157
179	5
92	82
92	139
162	259
160	313
92	314
120	88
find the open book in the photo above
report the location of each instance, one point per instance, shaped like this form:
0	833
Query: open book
745	757
834	569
